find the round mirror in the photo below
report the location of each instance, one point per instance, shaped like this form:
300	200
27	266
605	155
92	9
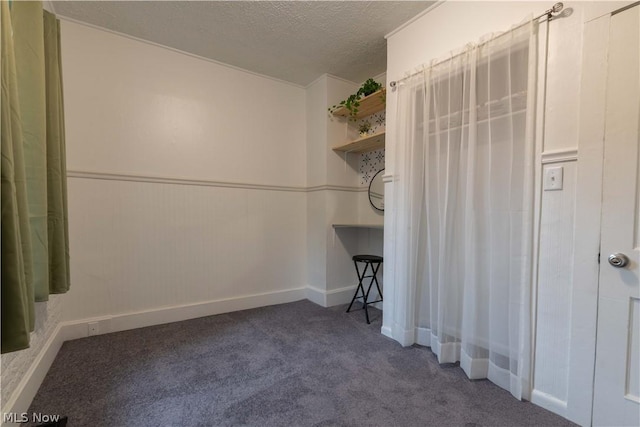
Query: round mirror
376	191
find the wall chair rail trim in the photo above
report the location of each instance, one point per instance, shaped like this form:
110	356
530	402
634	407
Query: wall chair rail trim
108	176
560	156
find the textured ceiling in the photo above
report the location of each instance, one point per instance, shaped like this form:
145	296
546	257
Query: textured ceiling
296	41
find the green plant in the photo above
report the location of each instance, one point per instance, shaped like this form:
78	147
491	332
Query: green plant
364	127
353	101
369	87
351	104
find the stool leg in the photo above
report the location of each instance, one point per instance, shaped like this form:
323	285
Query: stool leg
366	297
360	287
375	277
366	308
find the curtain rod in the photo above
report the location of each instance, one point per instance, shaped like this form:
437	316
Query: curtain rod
549	14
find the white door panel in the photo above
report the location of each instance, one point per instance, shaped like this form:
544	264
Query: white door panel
617	374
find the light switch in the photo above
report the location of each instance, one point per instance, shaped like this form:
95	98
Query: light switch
553	178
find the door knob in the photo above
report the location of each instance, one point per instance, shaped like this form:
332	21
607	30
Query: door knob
618	260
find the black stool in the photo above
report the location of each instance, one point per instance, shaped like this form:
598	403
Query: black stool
375	262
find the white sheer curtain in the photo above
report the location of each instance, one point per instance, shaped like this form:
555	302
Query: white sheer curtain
463	201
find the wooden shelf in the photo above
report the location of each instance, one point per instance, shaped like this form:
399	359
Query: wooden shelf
368	105
362	145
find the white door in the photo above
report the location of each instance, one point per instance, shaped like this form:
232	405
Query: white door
617	373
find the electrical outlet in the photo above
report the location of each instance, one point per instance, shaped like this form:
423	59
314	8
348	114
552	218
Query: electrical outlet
553	178
93	328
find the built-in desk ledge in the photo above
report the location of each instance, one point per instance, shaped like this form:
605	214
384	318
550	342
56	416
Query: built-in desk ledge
376	226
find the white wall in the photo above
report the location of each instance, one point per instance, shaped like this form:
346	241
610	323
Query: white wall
194	188
187	194
338	197
135	108
332	179
449	27
145	118
316	110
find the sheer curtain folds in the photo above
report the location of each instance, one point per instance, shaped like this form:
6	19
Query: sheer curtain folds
463	190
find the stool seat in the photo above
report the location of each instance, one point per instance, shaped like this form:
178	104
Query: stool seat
370	261
367	258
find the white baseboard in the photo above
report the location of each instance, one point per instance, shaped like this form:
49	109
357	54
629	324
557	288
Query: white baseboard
549	402
330	298
158	316
316	295
26	390
340	296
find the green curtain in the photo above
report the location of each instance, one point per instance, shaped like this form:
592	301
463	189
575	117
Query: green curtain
57	224
17	277
35	255
28	39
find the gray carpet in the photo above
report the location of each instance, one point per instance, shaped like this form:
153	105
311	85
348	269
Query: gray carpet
294	364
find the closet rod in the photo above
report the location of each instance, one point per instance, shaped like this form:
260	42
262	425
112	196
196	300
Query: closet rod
549	14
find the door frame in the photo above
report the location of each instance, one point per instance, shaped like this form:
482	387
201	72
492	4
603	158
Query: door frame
586	263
